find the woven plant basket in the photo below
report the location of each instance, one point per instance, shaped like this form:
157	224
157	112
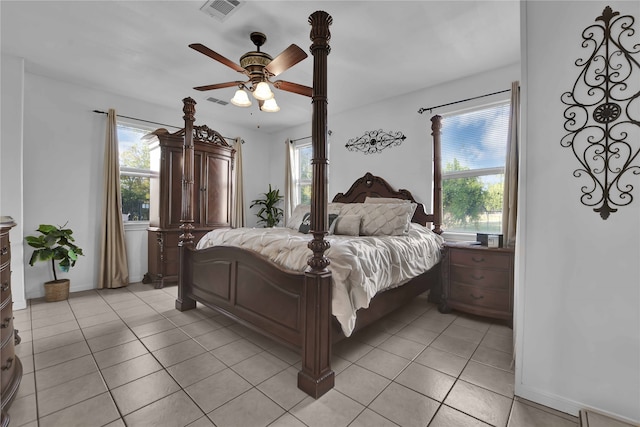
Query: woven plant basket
56	290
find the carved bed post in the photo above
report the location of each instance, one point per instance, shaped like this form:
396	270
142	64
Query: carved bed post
186	215
316	376
436	126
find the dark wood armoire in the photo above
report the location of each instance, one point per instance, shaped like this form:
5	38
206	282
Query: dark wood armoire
213	195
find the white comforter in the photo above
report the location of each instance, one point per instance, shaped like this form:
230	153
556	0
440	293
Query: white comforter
361	266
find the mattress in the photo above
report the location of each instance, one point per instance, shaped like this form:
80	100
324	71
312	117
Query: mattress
361	266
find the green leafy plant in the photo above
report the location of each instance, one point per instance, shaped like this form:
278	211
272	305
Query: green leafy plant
269	213
54	244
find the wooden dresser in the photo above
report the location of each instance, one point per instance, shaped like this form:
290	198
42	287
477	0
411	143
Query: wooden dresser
213	199
477	280
10	364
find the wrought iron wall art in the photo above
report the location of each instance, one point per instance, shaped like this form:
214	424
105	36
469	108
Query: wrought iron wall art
374	141
603	113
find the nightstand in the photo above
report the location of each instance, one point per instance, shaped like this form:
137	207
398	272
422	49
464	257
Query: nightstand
477	280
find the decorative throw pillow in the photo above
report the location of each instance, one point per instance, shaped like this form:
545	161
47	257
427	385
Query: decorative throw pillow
332	222
382	219
391	200
295	220
348	225
305	224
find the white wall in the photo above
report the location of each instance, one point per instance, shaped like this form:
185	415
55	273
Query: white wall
63	147
578	282
409	165
11	163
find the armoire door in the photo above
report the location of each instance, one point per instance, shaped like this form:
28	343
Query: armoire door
217	198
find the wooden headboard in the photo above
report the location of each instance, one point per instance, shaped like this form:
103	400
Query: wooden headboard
374	186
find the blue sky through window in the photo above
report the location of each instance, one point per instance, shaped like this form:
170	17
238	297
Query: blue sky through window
478	139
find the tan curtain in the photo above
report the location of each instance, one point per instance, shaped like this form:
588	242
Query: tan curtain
289	180
238	189
510	202
114	271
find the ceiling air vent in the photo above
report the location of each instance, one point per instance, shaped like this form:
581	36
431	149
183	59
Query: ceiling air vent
217	101
221	9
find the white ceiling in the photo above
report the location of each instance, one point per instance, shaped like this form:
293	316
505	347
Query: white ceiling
140	48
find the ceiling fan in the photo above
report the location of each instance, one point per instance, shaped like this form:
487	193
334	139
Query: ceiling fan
259	67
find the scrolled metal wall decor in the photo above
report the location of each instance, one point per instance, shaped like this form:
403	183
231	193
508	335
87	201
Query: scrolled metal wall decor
603	113
374	141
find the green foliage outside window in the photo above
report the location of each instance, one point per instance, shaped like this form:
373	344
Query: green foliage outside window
462	198
135	189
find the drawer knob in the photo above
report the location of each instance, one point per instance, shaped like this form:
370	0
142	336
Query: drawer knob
8	365
5	322
475	297
481	259
474	277
5	286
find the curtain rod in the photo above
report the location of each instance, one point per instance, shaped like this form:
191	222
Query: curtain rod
149	121
422	110
305	137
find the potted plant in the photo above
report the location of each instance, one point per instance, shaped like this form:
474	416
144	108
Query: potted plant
55	244
269	213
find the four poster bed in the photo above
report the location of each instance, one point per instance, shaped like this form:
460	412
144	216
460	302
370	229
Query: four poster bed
293	304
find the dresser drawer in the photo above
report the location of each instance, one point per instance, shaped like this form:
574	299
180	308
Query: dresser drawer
5	249
7	363
6	322
481	297
480	258
5	283
481	277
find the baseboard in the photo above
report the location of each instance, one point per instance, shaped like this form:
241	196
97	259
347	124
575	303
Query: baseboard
591	418
565	405
558	403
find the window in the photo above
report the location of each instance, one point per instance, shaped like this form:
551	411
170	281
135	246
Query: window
303	156
474	146
135	172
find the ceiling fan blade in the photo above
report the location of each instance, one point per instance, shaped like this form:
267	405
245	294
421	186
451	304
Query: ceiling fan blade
214	55
287	59
218	86
293	87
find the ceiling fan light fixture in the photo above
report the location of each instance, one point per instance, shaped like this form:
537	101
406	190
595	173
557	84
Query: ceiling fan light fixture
241	99
262	91
270	106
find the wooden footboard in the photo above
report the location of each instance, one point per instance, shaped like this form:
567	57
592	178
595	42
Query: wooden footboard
290	307
248	288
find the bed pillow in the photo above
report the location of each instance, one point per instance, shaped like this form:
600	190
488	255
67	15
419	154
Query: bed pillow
305	226
382	219
295	220
391	200
348	225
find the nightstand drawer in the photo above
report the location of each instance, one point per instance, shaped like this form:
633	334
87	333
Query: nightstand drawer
485	278
480	258
480	297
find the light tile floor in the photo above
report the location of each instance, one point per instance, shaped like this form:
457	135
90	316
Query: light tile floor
126	357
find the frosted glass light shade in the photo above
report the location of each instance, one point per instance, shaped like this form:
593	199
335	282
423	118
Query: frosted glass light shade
270	106
241	99
262	91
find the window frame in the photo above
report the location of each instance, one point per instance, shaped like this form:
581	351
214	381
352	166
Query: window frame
134	172
299	183
471	173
